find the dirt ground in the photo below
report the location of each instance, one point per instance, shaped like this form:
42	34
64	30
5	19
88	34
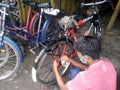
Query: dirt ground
110	49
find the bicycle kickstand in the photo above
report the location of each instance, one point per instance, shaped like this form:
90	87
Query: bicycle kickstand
32	49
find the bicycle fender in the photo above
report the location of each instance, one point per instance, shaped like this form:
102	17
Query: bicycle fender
16	46
48	48
35	64
45	26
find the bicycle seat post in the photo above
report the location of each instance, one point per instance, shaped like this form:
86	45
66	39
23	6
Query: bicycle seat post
38	32
2	17
39	25
95	9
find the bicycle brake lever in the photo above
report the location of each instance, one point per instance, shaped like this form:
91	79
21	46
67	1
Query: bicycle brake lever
13	7
82	5
113	7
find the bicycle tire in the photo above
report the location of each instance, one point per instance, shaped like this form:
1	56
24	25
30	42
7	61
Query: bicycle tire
10	59
50	31
34	24
98	32
33	27
43	59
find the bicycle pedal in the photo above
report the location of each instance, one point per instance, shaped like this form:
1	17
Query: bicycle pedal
32	51
2	50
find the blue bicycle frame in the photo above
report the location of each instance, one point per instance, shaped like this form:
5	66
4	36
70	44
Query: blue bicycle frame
34	39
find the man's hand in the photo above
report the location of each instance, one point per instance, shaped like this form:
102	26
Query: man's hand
56	63
65	58
60	81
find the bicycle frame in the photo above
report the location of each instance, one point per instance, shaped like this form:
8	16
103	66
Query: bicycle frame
70	33
33	39
30	38
27	24
67	36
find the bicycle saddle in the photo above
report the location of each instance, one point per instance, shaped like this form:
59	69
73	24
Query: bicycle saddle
43	4
51	11
37	4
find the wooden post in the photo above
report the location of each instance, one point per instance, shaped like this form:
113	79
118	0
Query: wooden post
55	3
20	12
114	16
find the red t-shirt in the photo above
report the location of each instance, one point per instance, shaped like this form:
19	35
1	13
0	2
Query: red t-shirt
101	75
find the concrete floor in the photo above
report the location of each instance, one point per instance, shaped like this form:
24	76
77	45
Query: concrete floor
110	49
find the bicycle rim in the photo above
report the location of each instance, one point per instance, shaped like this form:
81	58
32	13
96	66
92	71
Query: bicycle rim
45	74
9	59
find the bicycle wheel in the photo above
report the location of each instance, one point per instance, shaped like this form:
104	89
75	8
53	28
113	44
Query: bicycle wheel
44	73
10	57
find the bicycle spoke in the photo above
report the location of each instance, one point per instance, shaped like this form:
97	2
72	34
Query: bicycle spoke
48	76
43	68
2	71
2	59
12	56
11	63
7	68
44	71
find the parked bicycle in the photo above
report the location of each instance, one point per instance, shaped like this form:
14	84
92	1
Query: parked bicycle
11	55
42	70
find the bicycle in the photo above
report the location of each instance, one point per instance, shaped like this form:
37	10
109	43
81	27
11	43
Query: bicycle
11	55
30	23
42	67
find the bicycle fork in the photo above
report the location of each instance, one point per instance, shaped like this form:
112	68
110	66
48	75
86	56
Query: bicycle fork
2	17
1	41
38	34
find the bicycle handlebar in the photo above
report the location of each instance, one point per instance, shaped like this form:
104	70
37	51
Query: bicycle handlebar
8	6
95	3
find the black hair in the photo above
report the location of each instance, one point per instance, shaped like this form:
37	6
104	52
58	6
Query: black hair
88	45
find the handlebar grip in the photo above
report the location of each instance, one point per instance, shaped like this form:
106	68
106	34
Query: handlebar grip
8	6
93	3
4	5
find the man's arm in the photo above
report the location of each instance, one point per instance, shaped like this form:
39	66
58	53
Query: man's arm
60	80
75	63
78	64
